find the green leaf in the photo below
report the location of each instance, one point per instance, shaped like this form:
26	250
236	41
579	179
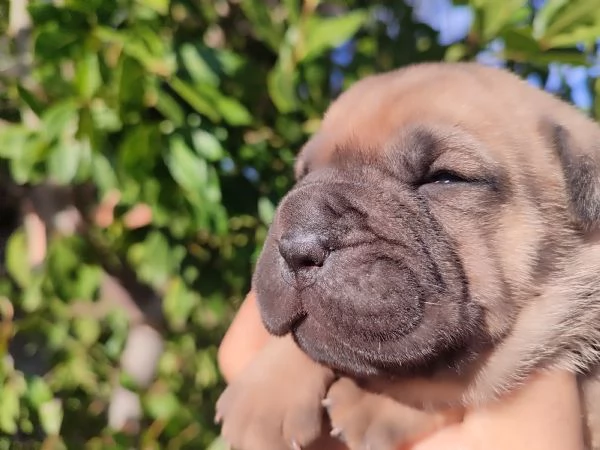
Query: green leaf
63	161
105	118
574	12
154	258
131	88
53	43
282	89
88	281
13	141
206	369
581	35
212	192
189	171
103	175
233	112
144	46
87	75
58	335
293	10
178	304
32	298
170	108
322	34
266	210
196	101
521	40
544	15
197	67
30	99
257	12
39	392
23	164
61	118
51	416
207	145
160	6
455	52
17	262
219	444
127	381
542	59
140	150
9	409
496	15
87	329
161	405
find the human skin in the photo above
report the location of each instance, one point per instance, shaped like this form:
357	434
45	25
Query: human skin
543	414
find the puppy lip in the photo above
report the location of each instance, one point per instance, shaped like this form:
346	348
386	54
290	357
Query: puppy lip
284	327
299	281
309	276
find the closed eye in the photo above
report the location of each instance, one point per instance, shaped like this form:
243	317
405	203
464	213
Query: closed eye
445	177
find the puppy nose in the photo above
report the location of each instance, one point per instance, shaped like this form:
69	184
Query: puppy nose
302	250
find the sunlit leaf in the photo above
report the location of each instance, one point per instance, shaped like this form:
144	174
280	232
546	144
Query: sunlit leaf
574	12
321	34
161	405
63	161
187	169
199	69
51	416
178	304
207	145
196	101
17	261
87	329
266	210
39	392
282	89
87	75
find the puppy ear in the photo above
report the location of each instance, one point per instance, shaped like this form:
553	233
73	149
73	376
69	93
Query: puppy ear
579	154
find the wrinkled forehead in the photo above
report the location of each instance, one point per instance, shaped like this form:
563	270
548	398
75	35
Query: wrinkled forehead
381	112
414	147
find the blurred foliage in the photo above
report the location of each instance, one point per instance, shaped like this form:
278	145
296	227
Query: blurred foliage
197	109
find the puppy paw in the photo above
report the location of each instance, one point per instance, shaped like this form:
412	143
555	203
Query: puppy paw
276	403
367	421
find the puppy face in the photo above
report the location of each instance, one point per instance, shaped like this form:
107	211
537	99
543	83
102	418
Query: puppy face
430	208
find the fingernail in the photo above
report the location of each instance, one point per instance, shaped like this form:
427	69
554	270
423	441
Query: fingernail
326	403
218	418
296	446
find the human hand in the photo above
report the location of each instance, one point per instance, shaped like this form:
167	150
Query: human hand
543	414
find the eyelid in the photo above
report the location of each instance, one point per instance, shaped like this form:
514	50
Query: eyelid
449	172
467	168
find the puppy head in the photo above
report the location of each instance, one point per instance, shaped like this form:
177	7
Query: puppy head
430	206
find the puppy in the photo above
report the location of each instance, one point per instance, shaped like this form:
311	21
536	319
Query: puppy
441	244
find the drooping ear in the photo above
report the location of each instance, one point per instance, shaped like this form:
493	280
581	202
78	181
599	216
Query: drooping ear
579	154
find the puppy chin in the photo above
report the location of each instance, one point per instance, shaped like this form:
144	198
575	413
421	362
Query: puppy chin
420	352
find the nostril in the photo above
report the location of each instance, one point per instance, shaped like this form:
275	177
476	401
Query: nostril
310	260
302	251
